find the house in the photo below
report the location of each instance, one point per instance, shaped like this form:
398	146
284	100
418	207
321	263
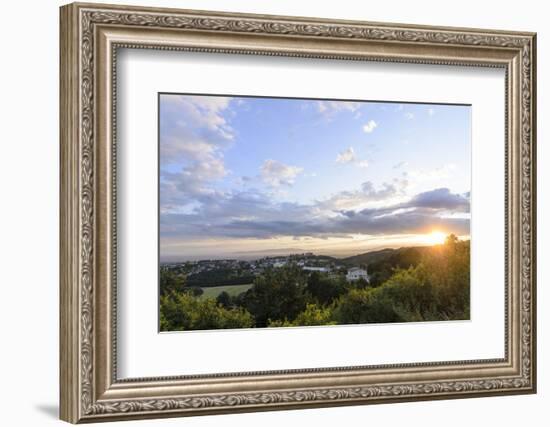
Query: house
356	273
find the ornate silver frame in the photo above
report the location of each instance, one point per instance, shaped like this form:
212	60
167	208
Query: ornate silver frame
90	36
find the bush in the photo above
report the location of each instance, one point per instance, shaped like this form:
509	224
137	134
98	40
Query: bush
313	315
278	294
438	288
224	299
171	282
447	268
182	312
365	306
194	291
412	297
324	289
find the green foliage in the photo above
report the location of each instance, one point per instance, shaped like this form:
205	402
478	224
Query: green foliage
386	262
447	268
313	315
365	306
171	282
194	290
379	277
224	299
409	284
437	288
182	311
359	284
412	298
325	289
278	294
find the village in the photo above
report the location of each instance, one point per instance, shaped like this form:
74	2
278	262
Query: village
304	289
233	268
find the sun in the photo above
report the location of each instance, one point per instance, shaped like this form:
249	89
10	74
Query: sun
435	238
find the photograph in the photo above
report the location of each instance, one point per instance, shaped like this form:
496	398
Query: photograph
289	212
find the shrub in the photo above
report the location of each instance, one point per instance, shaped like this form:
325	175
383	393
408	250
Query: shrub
313	315
182	311
278	294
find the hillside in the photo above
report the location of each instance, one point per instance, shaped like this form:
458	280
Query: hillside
393	256
382	264
369	257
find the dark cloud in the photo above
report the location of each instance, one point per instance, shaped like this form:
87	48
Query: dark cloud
441	198
252	214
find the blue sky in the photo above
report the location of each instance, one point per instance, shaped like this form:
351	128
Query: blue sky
243	176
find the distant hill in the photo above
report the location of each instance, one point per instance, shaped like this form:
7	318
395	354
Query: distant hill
397	256
369	257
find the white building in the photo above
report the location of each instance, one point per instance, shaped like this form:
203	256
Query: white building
356	273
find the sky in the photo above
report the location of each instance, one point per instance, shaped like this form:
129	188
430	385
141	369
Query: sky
243	177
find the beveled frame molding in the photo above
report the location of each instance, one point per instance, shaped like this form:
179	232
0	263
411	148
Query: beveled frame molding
90	36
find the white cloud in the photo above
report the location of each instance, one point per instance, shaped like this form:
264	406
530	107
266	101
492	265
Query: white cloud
409	115
369	126
201	163
192	181
346	156
201	111
193	128
210	170
368	195
400	165
431	111
275	173
193	137
433	175
329	109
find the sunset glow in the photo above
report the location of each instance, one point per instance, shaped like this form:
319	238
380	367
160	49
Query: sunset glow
435	238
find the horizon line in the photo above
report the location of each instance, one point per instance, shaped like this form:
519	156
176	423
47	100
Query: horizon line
251	257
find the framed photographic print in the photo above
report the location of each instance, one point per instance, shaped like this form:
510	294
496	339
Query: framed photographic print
245	180
265	212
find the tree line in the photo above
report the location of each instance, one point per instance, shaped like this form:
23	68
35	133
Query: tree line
427	284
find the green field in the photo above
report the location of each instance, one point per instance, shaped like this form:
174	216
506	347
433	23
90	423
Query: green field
213	292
